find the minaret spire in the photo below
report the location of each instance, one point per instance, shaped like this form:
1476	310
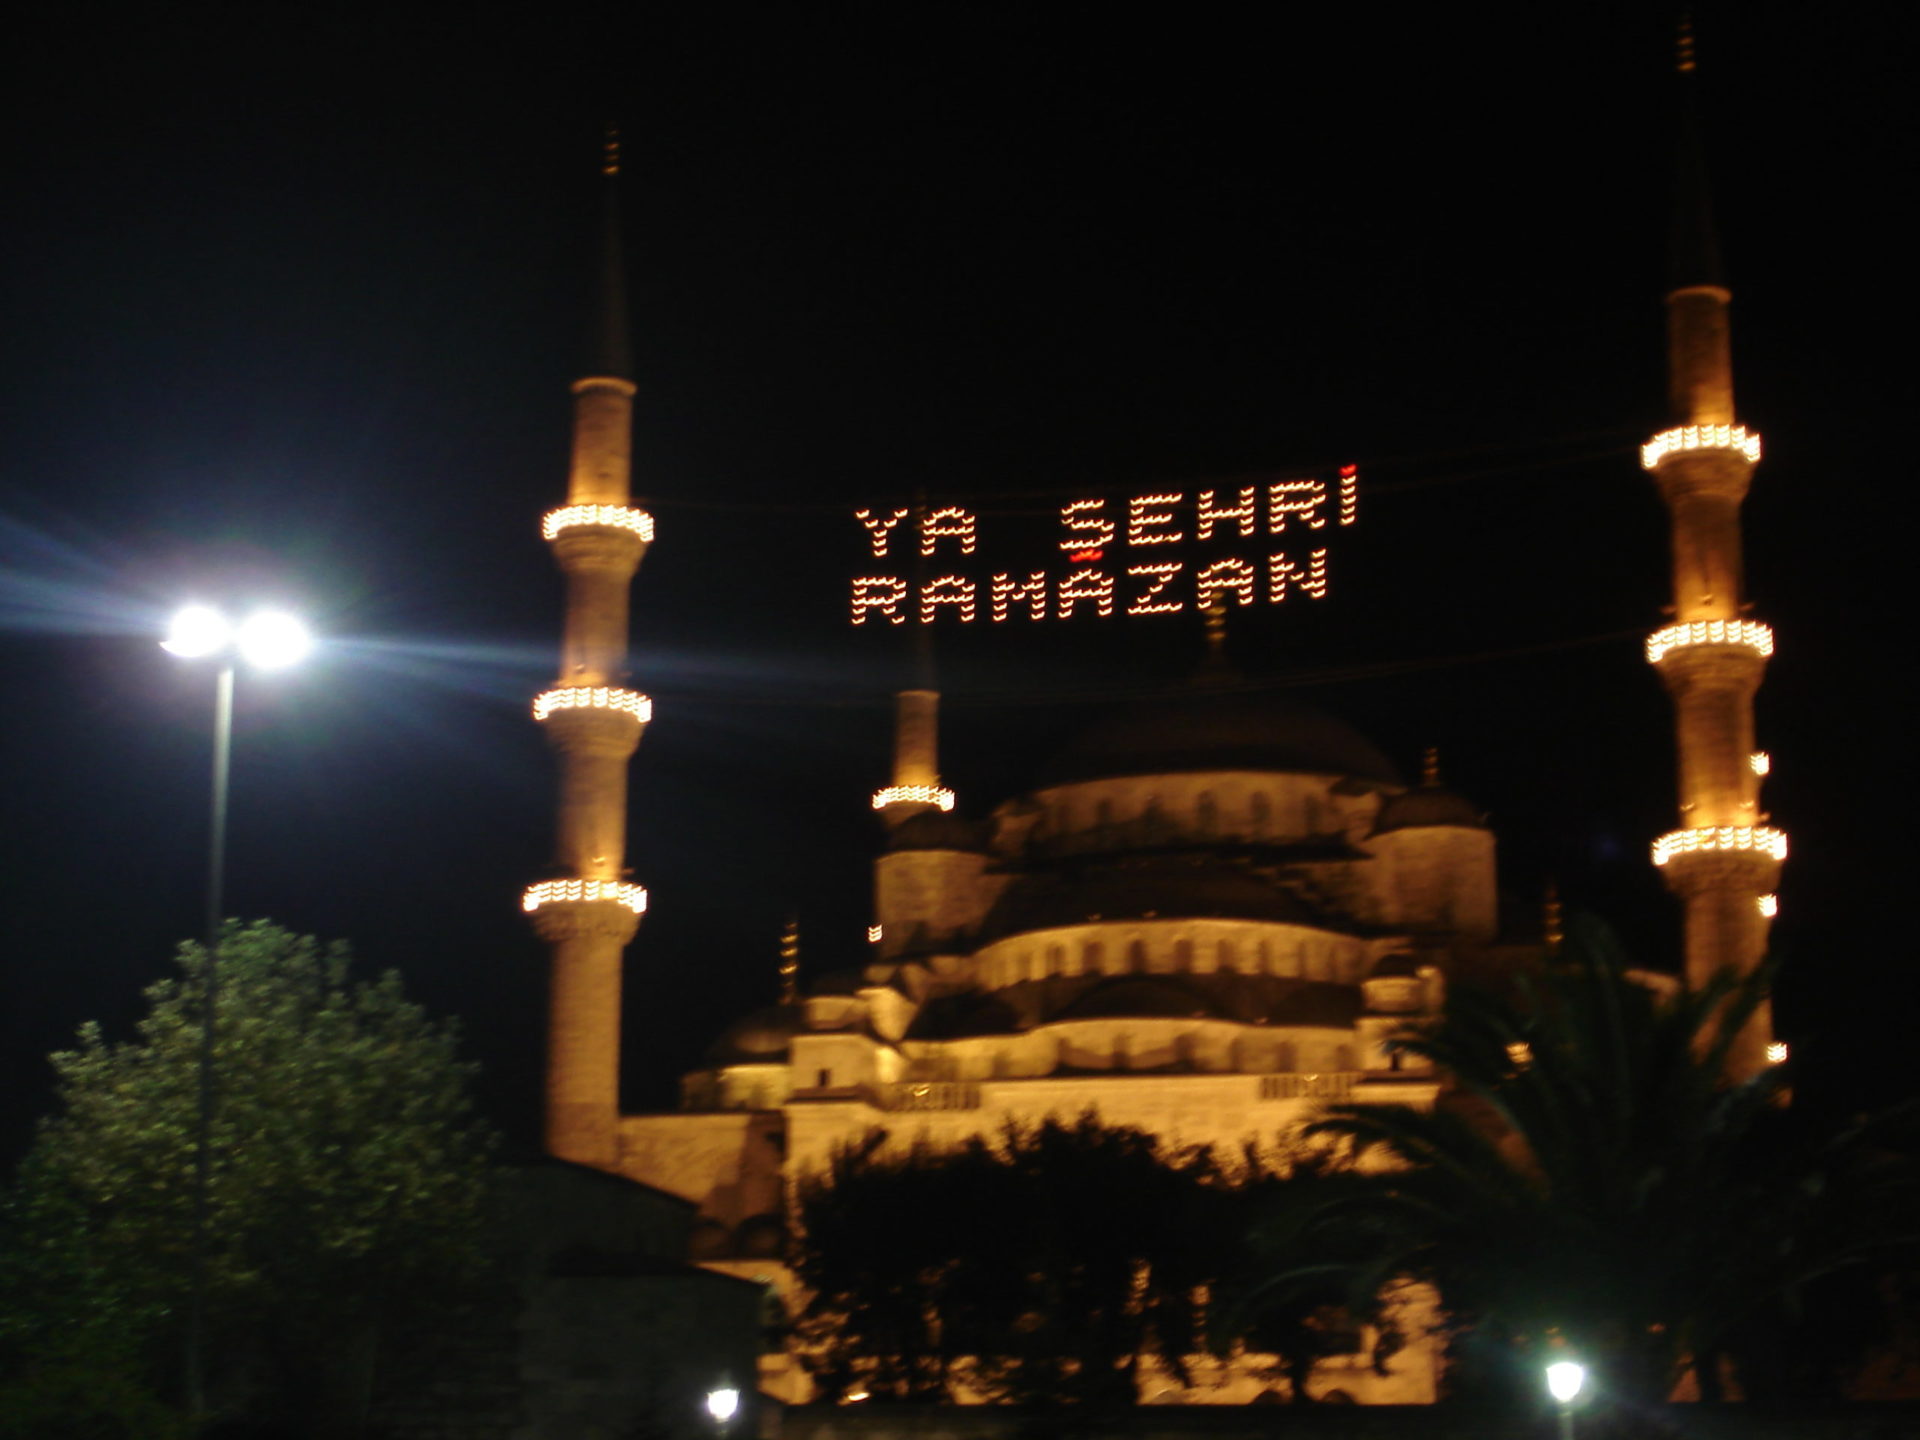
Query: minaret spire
589	913
916	786
1724	862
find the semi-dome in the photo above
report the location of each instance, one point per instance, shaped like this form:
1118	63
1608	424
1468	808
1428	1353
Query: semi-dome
1220	730
760	1038
1162	889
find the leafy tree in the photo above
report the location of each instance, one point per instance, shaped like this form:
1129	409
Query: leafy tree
1595	1182
1045	1265
348	1177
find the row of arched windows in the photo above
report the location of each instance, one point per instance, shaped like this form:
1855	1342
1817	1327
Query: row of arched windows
1208	815
1307	960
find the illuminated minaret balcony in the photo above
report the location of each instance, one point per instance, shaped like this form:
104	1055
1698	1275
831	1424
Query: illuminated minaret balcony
584	892
598	517
593	699
1749	635
1695	439
1760	841
937	796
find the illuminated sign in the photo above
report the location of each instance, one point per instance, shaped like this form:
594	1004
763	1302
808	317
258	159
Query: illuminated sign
1155	554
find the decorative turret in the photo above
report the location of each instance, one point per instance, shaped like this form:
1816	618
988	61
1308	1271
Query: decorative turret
1438	859
590	911
1723	862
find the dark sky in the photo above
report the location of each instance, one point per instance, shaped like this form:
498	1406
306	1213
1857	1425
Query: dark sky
293	298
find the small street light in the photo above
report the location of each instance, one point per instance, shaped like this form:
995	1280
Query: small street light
265	640
1565	1380
723	1404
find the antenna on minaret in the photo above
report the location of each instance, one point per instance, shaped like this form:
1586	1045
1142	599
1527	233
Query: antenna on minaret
790	961
1551	926
1430	767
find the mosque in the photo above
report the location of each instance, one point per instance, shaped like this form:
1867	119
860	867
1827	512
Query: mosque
1204	921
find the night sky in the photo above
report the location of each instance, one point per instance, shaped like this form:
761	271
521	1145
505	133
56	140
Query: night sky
294	296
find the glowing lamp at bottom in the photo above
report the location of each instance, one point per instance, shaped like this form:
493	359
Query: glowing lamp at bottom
1565	1379
1777	1053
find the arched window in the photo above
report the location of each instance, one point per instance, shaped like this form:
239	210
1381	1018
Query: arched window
1183	955
1103	813
1343	1057
1056	960
1266	957
1092	956
1285	1057
1137	956
1225	957
1262	814
1206	813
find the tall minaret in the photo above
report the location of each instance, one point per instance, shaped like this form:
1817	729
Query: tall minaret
1723	862
589	914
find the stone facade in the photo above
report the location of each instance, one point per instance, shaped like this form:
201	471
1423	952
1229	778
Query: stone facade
1206	925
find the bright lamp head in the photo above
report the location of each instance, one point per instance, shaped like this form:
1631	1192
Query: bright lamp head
195	631
723	1404
1565	1378
273	640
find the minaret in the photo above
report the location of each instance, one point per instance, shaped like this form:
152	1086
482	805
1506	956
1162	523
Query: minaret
1724	862
588	915
916	786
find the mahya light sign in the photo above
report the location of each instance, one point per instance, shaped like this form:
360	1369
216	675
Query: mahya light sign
1152	554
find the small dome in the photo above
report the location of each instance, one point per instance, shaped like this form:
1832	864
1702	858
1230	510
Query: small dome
761	1038
1217	730
1428	805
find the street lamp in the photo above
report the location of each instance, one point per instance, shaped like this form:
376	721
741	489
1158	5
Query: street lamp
723	1404
265	640
1565	1379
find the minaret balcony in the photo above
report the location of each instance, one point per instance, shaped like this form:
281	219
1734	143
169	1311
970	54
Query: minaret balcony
1687	439
593	697
598	517
1741	634
937	796
1759	839
575	892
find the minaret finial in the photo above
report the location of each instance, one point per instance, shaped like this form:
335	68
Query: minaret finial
1216	613
790	961
1695	257
610	353
1551	925
1430	766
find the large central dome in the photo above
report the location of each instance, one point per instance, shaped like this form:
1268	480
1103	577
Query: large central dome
1222	730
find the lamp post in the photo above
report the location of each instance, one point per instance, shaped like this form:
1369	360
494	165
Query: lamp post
266	640
1565	1379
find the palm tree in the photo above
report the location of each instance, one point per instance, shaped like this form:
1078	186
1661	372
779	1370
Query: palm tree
1593	1182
